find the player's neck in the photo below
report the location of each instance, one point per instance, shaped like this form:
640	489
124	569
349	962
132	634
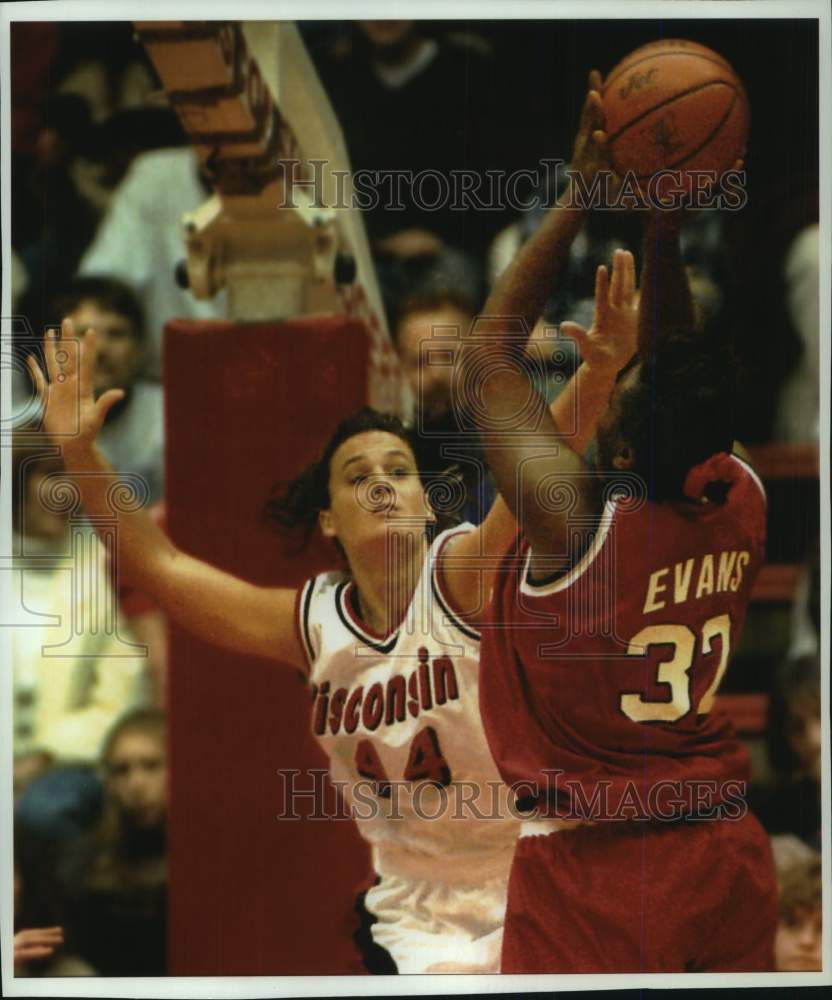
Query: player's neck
385	585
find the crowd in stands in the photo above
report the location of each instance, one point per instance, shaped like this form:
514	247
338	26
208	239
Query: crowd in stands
100	179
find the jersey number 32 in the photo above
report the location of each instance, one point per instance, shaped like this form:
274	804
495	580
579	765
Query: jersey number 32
675	671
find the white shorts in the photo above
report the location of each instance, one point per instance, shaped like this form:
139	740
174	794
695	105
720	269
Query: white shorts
440	927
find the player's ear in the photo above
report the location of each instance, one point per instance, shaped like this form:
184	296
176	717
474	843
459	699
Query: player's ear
625	459
325	523
431	513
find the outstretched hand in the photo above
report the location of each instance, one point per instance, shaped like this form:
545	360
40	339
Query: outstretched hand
72	415
610	343
589	154
37	943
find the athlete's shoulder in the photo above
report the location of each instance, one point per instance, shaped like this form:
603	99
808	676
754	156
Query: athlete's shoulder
443	540
441	549
748	477
316	602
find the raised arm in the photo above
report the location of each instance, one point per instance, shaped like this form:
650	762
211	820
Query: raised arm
213	604
524	458
606	348
666	301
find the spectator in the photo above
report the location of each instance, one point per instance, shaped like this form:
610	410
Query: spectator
797	945
798	410
791	802
428	333
132	436
39	936
68	686
140	242
53	223
114	879
435	102
431	98
105	63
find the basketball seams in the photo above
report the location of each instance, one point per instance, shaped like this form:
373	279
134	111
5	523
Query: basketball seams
658	55
709	138
669	100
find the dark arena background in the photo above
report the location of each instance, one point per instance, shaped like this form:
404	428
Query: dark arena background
231	395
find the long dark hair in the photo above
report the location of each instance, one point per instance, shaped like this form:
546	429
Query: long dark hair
111	862
680	410
293	506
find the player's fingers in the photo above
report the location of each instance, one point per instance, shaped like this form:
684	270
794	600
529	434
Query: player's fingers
617	283
602	286
596	81
28	952
86	362
64	352
107	401
591	115
629	264
37	377
35	935
576	332
51	340
43	939
738	164
596	111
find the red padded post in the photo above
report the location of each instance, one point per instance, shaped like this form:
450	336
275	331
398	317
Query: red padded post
247	406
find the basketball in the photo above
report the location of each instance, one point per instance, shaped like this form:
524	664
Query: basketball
674	105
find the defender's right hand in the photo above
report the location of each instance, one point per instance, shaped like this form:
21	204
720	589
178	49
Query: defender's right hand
72	416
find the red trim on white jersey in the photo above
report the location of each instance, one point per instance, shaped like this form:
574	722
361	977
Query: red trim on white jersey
444	601
303	599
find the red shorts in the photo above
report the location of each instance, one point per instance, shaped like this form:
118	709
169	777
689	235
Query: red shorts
642	897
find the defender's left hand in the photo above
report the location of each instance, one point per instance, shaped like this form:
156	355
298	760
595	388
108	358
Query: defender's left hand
609	345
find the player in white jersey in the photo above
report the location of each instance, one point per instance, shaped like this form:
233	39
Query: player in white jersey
398	717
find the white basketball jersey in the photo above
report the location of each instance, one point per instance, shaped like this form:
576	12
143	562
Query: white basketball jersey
398	717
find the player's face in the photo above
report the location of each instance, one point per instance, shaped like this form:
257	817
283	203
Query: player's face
137	778
428	360
118	354
797	942
373	484
804	735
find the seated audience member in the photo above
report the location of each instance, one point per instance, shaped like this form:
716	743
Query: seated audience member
791	802
27	766
132	435
53	222
68	686
38	934
114	878
798	409
797	945
436	101
702	243
430	324
140	242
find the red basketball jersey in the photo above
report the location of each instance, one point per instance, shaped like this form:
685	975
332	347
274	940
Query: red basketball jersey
596	688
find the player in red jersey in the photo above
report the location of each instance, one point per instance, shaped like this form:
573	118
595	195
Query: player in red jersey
612	625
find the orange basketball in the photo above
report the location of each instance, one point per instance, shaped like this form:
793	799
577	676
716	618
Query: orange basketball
674	105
